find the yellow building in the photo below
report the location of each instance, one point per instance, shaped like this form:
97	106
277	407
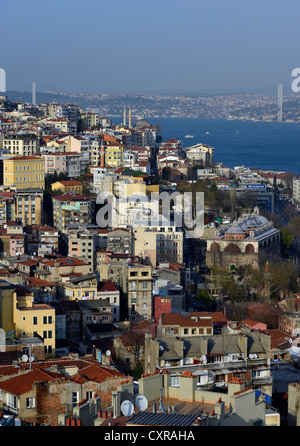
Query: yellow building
36	319
29	204
20	314
114	155
8	303
68	186
24	172
76	290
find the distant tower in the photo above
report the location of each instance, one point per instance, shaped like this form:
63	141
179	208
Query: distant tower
33	93
124	116
129	119
279	103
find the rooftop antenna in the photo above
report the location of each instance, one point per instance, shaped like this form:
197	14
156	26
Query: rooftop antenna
127	408
33	93
141	402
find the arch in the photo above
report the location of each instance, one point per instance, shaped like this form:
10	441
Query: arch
232	248
249	248
215	247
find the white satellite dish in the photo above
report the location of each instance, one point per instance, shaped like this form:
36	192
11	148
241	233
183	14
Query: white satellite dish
108	352
161	348
127	408
141	402
251	356
24	358
290	341
254	355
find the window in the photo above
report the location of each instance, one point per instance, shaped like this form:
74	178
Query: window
75	396
89	395
174	381
45	334
44	319
11	401
35	320
30	403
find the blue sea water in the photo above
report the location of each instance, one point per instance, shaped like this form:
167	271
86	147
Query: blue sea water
266	145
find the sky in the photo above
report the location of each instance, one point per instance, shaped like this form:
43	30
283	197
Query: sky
157	46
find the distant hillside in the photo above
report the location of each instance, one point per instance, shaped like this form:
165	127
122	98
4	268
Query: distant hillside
26	97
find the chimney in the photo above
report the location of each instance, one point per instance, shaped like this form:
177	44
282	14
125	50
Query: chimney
114	405
154	407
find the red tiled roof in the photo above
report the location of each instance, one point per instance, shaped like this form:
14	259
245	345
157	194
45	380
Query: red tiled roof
251	322
18	385
71	197
65	261
106	286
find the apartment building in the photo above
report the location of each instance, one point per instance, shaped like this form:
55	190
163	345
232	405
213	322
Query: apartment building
72	208
83	244
29	206
24	172
139	292
21	144
52	270
296	189
120	240
82	287
201	153
108	292
68	163
19	313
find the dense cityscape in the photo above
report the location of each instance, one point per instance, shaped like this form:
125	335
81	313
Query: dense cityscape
254	106
115	313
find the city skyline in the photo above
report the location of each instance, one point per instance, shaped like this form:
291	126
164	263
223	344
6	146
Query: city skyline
168	47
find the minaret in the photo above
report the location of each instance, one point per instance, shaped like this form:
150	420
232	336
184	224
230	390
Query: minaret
102	155
129	119
124	116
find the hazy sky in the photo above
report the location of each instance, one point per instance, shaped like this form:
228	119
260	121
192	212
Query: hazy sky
138	46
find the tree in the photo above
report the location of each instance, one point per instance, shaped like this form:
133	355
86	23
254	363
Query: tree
293	226
286	241
205	300
167	173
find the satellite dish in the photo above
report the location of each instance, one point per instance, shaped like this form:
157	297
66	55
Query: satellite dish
251	356
254	355
24	358
108	352
127	408
31	359
204	360
141	402
290	341
161	348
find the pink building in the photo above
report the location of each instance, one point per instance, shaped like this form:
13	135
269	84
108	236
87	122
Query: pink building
17	245
254	325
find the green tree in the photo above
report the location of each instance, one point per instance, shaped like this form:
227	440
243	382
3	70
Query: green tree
286	241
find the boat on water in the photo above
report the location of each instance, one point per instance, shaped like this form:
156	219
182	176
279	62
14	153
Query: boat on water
189	136
206	133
